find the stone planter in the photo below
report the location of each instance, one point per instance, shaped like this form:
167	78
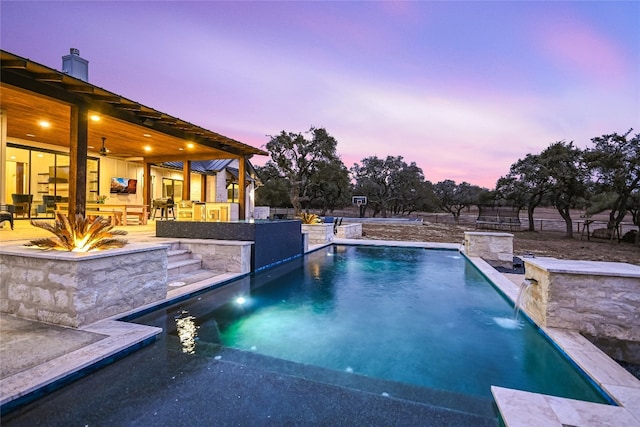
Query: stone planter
598	299
494	248
318	234
76	289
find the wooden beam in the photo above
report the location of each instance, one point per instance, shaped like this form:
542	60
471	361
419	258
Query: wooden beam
79	88
186	176
107	98
13	63
146	188
187	157
79	126
48	77
242	188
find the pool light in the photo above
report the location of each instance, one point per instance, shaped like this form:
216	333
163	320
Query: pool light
240	300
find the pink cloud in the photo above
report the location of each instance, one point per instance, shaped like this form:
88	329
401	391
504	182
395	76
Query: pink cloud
576	46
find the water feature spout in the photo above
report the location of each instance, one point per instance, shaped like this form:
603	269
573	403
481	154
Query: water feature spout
524	295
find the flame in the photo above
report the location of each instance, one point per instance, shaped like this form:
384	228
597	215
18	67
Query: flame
78	234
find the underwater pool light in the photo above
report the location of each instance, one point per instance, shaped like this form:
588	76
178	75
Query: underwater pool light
241	300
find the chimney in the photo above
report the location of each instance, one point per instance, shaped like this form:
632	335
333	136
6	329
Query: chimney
75	66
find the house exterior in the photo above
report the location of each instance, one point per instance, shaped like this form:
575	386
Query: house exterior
62	138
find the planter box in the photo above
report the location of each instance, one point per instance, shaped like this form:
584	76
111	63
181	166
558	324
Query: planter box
76	289
318	234
598	299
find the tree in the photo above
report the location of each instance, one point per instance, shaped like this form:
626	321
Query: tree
634	208
391	185
525	185
329	188
373	179
615	163
454	198
568	177
274	190
412	192
298	159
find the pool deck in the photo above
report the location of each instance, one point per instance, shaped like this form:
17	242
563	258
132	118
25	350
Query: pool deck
33	355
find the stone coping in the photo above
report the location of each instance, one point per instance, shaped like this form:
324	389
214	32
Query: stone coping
597	268
518	408
426	245
118	336
525	409
24	251
488	233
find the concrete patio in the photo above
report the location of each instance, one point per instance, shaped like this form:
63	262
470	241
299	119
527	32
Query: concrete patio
33	354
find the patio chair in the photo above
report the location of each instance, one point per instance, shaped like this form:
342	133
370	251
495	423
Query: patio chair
22	204
48	205
6	214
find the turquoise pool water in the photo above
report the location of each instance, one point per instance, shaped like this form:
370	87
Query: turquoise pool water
405	322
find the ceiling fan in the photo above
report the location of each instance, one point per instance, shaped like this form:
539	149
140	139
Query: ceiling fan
103	150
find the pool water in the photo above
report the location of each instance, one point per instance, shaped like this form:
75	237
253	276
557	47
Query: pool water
407	322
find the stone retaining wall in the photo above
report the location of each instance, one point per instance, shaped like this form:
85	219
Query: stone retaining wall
219	256
76	289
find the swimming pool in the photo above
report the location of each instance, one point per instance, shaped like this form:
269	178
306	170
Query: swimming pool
418	324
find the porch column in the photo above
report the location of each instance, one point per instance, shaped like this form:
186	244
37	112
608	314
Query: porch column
79	129
146	185
186	173
242	190
3	156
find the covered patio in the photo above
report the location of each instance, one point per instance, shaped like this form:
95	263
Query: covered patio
41	106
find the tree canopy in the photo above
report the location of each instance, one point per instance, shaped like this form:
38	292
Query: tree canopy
301	162
391	185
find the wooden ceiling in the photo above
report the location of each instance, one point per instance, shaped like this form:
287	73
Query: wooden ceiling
31	93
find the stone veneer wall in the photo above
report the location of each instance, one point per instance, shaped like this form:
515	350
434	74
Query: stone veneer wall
76	289
349	231
599	299
318	233
273	241
220	256
494	248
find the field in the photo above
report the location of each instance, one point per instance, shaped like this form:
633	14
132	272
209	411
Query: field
551	241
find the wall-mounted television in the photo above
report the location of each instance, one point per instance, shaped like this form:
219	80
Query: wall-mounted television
123	185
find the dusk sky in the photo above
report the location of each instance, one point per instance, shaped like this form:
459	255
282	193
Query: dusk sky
464	89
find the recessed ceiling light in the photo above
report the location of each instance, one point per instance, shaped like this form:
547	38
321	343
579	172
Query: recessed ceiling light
90	146
95	117
146	135
181	149
40	155
31	135
147	148
44	124
189	145
12	157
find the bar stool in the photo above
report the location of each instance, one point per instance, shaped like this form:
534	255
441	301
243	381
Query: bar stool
165	207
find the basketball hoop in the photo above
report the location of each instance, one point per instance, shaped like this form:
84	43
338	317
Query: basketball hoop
359	200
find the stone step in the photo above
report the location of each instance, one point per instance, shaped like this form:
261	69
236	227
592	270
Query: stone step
174	245
174	255
190	277
177	268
